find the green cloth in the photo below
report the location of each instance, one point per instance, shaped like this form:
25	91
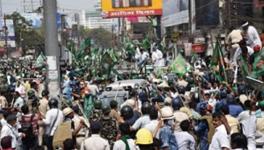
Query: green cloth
261	104
88	105
179	65
124	139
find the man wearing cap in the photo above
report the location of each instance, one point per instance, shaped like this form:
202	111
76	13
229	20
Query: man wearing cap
95	142
252	36
233	38
10	129
166	134
69	114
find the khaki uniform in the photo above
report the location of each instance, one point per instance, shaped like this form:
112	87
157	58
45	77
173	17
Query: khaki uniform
43	108
233	123
3	102
82	134
114	114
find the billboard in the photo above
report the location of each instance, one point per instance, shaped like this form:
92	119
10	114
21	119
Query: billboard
130	8
34	19
175	12
9	35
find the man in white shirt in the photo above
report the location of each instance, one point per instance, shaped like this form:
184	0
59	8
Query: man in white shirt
141	57
9	129
152	126
184	139
19	101
157	57
125	141
245	51
220	140
143	120
248	122
252	36
95	142
53	118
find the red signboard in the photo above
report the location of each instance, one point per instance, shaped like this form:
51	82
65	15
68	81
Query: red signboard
198	48
130	8
131	13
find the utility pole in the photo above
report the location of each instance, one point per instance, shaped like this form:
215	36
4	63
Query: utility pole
52	46
6	37
191	9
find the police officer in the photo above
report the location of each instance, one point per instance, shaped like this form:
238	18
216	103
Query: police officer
109	126
97	112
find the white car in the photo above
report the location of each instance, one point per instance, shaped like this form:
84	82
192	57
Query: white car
127	85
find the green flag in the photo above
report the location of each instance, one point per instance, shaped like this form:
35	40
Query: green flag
88	105
217	61
40	60
258	70
179	65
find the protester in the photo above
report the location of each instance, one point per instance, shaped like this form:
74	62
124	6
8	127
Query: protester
184	139
29	126
125	142
10	129
6	143
53	118
252	36
220	138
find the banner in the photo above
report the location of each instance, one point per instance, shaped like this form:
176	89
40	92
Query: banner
130	8
9	35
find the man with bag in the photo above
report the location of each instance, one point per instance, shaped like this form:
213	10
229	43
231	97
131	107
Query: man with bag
53	119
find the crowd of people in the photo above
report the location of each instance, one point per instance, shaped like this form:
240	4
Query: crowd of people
181	112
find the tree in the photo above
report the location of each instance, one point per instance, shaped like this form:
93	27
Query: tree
101	37
26	37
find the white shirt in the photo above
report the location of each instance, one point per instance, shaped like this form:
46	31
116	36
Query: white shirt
238	53
185	140
151	126
220	139
234	36
141	122
249	127
93	88
19	102
50	118
120	145
156	57
8	130
253	38
95	142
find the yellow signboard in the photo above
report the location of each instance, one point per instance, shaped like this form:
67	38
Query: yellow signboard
131	8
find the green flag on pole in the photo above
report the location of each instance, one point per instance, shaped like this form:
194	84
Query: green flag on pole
217	63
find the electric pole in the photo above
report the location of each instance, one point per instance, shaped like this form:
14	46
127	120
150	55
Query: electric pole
52	46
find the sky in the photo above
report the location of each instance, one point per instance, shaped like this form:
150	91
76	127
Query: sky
10	6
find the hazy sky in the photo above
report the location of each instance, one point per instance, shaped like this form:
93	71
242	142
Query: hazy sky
10	6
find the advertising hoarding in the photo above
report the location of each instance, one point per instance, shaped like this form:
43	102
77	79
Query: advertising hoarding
130	8
175	12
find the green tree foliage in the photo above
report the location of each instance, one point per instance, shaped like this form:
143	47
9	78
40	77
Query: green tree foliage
100	37
26	37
